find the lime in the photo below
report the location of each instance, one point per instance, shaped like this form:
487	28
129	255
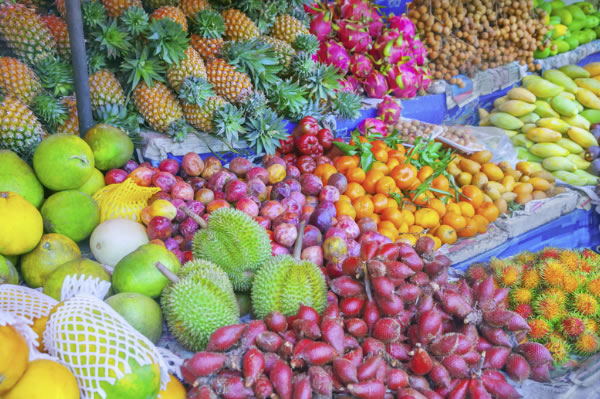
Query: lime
141	311
52	251
71	213
93	184
111	146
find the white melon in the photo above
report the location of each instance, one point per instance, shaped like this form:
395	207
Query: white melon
115	238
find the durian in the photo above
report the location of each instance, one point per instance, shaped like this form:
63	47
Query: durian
198	300
283	284
236	243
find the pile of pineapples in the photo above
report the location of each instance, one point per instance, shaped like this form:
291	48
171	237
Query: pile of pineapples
231	68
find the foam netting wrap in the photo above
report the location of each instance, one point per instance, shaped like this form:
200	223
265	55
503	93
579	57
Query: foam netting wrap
123	201
21	306
76	284
84	328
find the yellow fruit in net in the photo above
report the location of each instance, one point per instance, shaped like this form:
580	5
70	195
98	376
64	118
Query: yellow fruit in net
14	355
45	379
174	390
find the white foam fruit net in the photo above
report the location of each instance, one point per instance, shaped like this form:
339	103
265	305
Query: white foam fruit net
76	284
97	344
23	327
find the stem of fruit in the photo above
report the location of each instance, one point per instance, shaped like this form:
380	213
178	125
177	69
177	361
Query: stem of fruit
367	282
298	245
108	269
172	277
201	222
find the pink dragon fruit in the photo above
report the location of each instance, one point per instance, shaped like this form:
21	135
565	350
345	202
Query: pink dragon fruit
356	85
403	81
321	26
345	86
389	35
389	110
334	54
423	77
419	51
375	24
360	66
355	10
373	126
403	25
354	36
375	85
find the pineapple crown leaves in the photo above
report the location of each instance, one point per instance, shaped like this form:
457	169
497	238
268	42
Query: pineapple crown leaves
93	15
346	105
208	24
264	132
228	123
168	40
312	108
142	66
289	98
113	40
323	83
179	130
307	43
96	61
297	11
302	66
265	14
122	117
50	111
195	90
56	76
255	104
135	20
257	59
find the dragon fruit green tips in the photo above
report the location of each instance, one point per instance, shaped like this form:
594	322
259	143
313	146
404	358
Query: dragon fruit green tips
403	81
334	54
404	25
373	126
389	110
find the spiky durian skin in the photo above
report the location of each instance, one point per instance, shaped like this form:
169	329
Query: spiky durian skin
236	243
199	303
282	284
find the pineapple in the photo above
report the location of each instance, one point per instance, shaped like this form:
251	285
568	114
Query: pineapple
105	89
173	13
18	80
238	26
283	49
26	34
207	34
287	28
20	130
192	7
71	124
159	107
58	28
192	66
114	8
230	84
200	117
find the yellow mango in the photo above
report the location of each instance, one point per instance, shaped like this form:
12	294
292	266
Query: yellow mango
582	137
570	145
505	121
527	127
574	71
559	78
564	106
590	179
539	184
577	120
591	84
588	99
558	163
593	68
483	117
553	123
522	94
492	171
543	88
578	161
528	79
567	95
521	140
530	117
544	174
543	135
499	101
544	110
569	178
510	133
547	150
516	107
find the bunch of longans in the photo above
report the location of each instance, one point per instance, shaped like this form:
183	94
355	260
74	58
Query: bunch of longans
394	327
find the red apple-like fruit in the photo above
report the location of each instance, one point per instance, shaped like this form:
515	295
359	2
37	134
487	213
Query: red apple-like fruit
115	176
235	190
169	165
159	228
204	195
192	164
247	206
142	176
183	191
130	166
164	180
217	204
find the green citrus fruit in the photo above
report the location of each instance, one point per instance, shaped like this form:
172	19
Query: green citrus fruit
52	251
63	162
93	184
71	213
18	177
8	273
141	311
111	146
77	267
